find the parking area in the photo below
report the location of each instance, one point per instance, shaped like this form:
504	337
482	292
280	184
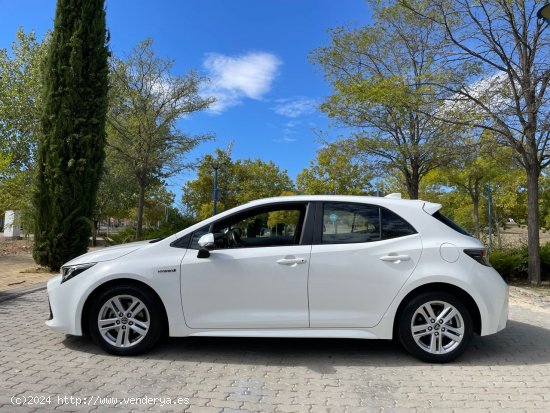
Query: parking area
509	370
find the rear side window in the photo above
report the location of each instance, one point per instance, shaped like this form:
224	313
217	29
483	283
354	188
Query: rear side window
345	223
393	226
450	223
350	223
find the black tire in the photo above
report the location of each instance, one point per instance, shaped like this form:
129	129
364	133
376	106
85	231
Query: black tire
450	349
143	343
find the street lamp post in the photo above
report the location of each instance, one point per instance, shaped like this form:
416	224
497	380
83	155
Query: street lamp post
490	215
215	166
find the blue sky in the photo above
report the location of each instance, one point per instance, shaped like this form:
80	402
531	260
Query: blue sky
254	51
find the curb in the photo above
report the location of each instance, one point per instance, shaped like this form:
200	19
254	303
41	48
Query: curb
17	292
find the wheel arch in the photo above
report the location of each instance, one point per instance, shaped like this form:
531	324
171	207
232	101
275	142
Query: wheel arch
115	282
469	302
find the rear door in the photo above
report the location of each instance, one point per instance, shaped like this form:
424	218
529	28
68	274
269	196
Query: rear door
362	255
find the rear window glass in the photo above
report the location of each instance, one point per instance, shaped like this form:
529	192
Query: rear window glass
450	223
354	223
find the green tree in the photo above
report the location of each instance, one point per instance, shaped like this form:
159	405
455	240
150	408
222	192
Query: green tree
545	200
381	77
507	94
71	148
116	194
158	204
239	182
146	102
336	170
21	98
480	162
20	109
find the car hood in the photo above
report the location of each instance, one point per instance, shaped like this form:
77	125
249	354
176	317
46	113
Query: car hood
107	254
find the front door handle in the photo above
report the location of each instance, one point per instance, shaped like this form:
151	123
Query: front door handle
395	258
291	261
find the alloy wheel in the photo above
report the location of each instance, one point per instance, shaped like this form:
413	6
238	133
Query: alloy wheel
123	321
437	327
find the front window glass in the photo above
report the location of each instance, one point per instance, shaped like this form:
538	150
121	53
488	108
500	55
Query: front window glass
197	235
270	227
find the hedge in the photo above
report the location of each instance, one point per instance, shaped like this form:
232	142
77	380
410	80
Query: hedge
512	262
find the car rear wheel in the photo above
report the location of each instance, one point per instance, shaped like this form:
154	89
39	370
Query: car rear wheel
435	327
125	320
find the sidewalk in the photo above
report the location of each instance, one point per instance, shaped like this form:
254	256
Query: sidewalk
17	271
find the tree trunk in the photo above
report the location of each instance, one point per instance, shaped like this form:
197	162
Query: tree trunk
96	230
141	203
497	229
533	224
475	201
413	183
413	191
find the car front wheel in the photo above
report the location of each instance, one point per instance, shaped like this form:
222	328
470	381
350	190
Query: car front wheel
435	327
125	320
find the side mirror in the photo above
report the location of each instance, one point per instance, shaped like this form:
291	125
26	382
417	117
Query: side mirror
207	242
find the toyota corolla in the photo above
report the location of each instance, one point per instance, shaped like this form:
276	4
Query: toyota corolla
301	266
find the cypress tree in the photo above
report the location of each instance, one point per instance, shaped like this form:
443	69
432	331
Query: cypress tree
71	148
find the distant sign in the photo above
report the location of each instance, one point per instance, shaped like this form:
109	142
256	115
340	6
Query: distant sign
333	217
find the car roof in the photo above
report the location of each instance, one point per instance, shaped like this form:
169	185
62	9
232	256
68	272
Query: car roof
429	207
391	203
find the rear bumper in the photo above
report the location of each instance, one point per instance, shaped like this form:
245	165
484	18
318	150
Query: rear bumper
494	295
504	313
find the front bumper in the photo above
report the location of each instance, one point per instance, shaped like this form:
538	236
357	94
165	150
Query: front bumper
63	307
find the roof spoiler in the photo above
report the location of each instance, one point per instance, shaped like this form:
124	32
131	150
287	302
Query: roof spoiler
395	195
431	207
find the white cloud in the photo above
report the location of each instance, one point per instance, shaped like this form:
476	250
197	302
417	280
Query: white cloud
493	91
288	130
285	139
234	78
293	108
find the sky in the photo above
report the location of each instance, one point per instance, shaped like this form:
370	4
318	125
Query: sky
255	53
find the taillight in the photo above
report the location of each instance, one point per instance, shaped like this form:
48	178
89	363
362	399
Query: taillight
480	255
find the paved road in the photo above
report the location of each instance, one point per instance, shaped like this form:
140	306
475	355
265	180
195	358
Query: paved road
506	371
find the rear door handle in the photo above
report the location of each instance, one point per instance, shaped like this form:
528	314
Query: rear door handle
291	261
395	258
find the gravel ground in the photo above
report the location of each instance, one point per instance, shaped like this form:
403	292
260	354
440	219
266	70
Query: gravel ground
14	247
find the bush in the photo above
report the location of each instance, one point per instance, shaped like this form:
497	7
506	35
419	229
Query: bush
513	262
129	234
545	261
510	263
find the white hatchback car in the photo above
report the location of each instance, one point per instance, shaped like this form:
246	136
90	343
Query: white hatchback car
301	266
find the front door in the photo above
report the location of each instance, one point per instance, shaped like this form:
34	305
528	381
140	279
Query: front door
257	275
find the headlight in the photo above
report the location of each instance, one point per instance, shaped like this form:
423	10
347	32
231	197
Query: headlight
73	270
